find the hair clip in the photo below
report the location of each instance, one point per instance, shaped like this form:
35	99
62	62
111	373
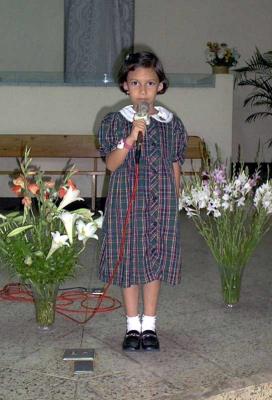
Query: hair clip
127	57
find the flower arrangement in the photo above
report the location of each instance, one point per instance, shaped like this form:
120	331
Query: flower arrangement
42	244
232	213
221	55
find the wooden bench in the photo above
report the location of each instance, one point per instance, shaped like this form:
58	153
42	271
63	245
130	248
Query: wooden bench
76	146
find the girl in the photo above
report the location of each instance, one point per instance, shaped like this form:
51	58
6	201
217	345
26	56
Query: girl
152	246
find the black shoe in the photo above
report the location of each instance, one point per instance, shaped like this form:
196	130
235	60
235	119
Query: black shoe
132	341
150	341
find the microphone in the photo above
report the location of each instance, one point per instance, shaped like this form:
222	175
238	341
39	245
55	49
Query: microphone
142	113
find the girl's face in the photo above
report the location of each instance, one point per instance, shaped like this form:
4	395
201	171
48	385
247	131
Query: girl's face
143	85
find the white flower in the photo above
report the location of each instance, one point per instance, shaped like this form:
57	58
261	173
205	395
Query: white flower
216	213
221	53
241	201
57	242
68	220
99	221
70	196
226	197
263	197
86	231
225	205
28	260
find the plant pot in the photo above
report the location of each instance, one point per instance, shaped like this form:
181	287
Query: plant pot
231	278
220	69
45	296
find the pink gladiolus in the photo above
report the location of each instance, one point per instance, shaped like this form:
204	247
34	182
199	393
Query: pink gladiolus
19	182
26	201
33	188
16	189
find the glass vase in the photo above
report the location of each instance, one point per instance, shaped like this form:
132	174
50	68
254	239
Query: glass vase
231	278
45	296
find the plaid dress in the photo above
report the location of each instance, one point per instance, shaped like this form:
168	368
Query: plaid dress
152	247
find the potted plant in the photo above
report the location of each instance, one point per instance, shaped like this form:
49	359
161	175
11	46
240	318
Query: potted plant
257	74
221	57
232	214
42	245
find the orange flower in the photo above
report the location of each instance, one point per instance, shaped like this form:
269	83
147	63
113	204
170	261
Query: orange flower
26	201
16	189
19	181
62	192
71	184
33	188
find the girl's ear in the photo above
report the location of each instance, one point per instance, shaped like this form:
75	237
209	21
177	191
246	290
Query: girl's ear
160	87
125	86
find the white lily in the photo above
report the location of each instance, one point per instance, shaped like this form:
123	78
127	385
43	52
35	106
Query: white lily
68	220
99	220
70	196
57	242
86	231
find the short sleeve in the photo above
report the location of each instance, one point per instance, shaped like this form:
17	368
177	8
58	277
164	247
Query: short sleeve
110	133
180	139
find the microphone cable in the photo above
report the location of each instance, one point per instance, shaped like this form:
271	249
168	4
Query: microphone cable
123	236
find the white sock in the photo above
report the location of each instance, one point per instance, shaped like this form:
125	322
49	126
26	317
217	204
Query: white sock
148	323
134	323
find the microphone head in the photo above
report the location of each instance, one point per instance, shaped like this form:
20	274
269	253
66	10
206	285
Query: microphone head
143	108
142	112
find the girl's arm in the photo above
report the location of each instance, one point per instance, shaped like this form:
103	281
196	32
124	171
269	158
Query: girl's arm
177	173
118	156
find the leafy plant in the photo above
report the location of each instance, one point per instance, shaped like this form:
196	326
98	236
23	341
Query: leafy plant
257	74
232	214
42	245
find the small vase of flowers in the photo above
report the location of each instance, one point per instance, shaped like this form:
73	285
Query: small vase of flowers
232	213
221	57
42	245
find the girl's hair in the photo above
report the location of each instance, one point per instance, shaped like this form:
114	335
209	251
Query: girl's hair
143	59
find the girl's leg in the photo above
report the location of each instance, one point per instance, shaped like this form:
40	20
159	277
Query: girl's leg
131	303
150	339
131	300
151	292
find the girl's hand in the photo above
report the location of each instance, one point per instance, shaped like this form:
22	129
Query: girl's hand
138	125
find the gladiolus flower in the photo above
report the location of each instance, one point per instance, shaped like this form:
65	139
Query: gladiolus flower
71	184
33	188
19	182
62	192
16	189
26	201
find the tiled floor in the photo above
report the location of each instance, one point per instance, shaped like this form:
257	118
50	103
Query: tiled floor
205	349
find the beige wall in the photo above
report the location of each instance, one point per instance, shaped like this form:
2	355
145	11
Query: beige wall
31	33
178	30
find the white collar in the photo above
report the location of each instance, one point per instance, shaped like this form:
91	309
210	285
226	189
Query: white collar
163	114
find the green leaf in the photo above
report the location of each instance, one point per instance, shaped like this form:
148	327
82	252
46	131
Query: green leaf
84	212
19	230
